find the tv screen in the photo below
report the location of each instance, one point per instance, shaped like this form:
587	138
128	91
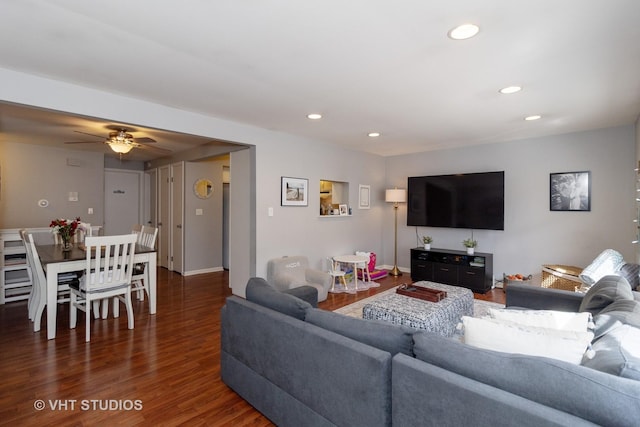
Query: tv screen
472	200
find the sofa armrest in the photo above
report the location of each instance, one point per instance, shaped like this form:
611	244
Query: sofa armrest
537	298
318	277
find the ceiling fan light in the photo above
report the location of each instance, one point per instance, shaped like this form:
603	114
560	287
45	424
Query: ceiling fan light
119	147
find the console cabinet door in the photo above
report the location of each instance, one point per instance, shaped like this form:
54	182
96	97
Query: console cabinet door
445	273
472	278
421	270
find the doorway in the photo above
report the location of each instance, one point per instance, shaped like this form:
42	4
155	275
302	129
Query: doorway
122	201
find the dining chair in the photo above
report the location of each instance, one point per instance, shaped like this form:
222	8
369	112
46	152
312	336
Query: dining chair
146	237
108	271
38	296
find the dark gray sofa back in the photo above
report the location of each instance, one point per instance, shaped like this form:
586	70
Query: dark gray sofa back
425	395
299	374
598	397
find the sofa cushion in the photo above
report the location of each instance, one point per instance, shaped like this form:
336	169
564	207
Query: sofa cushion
589	394
510	337
383	335
618	353
260	292
631	272
608	262
607	290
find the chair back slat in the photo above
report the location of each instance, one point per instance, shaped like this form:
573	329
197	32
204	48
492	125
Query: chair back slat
146	235
109	262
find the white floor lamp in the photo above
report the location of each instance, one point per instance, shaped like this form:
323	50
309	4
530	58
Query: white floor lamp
395	196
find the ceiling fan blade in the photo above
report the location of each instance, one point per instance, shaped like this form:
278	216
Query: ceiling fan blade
90	134
81	142
144	140
154	148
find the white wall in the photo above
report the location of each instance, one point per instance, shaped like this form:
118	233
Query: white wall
301	230
533	234
34	172
203	233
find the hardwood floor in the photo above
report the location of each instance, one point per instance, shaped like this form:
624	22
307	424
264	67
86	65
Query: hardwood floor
163	372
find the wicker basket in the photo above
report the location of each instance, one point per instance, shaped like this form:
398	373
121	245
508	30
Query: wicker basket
561	277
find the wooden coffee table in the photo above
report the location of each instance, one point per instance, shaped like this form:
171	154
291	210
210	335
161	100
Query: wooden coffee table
440	317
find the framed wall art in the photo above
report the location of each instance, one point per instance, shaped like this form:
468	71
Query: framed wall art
294	191
570	191
364	197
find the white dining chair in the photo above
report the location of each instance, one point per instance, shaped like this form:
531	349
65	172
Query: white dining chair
146	237
38	296
108	271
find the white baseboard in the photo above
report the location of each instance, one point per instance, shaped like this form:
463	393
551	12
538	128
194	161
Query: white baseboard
203	271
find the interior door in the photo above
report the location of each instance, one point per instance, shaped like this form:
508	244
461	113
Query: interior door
122	201
177	216
164	220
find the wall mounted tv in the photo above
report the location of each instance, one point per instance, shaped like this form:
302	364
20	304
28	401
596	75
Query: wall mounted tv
471	200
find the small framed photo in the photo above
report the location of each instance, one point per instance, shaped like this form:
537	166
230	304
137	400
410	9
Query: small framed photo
364	197
570	191
344	210
294	192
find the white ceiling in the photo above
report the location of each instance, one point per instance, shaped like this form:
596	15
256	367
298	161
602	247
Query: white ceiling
365	65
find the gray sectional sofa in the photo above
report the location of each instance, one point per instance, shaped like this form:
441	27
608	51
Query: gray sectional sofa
302	366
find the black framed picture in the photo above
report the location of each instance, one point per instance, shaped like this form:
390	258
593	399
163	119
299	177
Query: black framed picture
570	191
294	191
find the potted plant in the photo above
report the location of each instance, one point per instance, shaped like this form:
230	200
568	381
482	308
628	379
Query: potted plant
470	244
427	242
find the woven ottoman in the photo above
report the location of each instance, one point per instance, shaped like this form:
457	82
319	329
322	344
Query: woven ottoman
440	317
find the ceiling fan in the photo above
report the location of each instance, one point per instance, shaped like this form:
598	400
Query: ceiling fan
121	142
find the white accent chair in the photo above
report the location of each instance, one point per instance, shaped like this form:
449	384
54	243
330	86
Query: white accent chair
293	271
108	271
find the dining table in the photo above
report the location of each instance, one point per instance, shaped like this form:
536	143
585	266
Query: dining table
55	261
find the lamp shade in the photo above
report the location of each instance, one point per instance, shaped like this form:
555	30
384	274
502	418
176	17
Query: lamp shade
396	195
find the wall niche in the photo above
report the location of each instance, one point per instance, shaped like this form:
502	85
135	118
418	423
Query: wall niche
334	198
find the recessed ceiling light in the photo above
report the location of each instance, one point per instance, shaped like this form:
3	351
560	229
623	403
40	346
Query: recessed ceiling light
463	32
510	89
374	134
531	118
314	116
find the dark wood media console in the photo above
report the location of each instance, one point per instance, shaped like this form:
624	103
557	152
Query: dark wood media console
453	267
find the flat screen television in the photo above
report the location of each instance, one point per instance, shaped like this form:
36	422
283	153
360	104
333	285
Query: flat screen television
471	200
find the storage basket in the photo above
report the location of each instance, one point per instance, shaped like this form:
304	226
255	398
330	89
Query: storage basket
561	277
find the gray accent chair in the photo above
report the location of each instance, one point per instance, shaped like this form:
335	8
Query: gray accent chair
291	272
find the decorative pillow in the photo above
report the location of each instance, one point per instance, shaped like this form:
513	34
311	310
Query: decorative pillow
550	319
508	337
607	290
631	272
618	353
608	262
